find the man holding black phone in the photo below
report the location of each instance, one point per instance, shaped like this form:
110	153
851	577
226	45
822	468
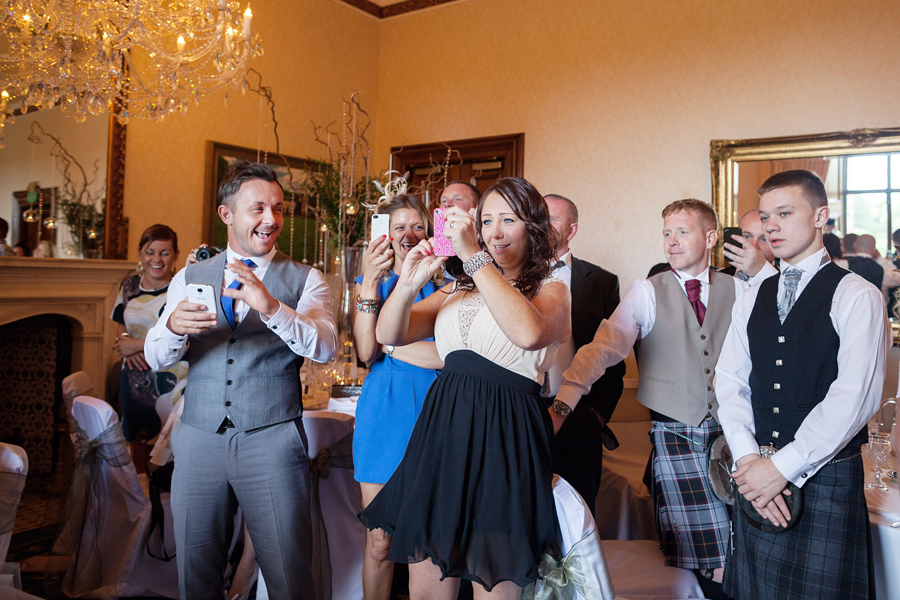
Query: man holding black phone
240	440
746	248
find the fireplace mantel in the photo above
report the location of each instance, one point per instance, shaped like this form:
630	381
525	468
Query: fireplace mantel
83	291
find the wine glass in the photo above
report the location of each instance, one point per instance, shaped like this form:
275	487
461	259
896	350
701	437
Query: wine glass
878	451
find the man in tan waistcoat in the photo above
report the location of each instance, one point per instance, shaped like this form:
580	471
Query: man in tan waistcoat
680	316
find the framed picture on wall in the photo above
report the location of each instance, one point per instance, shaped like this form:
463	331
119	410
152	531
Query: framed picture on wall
219	157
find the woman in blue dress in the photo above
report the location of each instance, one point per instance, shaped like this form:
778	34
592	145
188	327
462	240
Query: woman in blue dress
399	378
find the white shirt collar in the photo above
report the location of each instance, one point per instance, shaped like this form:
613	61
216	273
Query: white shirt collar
685	276
261	261
811	264
566	258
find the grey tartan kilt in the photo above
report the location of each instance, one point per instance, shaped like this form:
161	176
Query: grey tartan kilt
693	525
827	555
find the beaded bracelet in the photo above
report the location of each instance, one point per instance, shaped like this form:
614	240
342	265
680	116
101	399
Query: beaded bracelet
477	261
364	305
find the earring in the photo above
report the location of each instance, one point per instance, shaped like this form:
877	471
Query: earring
140	268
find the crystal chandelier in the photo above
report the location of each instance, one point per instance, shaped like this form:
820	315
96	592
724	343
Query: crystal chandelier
139	58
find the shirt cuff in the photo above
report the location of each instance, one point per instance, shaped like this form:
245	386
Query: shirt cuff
742	444
569	394
790	464
281	321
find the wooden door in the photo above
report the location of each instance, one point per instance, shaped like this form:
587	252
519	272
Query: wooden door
480	161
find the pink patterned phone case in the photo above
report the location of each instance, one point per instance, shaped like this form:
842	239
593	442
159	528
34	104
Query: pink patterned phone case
442	246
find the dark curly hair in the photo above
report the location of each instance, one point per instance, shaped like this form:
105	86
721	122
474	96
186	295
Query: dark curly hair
527	204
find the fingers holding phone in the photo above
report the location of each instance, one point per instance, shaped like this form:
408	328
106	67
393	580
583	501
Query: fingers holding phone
379	258
741	252
459	228
195	314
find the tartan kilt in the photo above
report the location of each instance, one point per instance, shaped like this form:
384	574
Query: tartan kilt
693	525
826	555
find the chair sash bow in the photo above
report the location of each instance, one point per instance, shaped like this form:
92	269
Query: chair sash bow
338	456
562	579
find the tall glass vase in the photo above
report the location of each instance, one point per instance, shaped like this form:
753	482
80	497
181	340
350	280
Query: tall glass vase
351	268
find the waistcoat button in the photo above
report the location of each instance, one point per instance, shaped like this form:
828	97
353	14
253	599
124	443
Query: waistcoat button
774	434
228	403
707	371
229	382
777	386
702	336
776	410
708	388
778	363
780	339
230	361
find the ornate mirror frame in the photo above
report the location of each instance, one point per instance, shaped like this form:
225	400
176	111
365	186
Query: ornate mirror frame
115	244
724	153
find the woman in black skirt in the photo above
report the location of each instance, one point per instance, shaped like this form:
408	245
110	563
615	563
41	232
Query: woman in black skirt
472	497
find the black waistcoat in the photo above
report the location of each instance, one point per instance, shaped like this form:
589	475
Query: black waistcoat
794	363
867	268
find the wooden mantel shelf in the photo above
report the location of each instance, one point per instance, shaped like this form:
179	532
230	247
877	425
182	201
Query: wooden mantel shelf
83	291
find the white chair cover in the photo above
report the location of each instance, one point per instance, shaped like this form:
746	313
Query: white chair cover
13	470
582	574
108	516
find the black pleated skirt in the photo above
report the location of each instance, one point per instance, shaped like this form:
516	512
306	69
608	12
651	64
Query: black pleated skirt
474	490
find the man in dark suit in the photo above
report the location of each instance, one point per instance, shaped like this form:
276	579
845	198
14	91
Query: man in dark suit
578	447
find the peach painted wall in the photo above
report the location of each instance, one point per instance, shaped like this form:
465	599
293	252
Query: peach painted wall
619	100
317	53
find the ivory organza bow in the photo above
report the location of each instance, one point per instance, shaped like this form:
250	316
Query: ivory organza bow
562	579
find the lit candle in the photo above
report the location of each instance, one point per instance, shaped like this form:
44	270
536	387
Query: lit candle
248	17
181	43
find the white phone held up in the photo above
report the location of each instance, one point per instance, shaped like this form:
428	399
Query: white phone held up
201	293
381	226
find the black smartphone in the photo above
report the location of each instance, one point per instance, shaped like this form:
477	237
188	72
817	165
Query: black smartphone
728	237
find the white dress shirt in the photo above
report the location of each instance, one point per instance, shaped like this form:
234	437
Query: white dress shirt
859	318
633	319
308	329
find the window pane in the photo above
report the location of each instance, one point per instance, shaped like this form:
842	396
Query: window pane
867	213
895	213
867	172
895	176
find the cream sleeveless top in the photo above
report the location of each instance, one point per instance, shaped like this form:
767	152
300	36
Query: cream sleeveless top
464	323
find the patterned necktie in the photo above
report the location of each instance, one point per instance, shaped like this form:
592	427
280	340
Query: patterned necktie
227	301
791	277
692	286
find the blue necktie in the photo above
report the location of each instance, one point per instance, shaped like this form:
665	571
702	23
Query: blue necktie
227	301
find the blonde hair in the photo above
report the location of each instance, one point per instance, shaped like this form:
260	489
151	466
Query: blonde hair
704	212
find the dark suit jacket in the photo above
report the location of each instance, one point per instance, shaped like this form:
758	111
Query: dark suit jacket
595	295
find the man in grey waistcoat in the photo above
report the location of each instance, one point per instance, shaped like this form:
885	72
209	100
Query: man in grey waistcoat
241	440
680	316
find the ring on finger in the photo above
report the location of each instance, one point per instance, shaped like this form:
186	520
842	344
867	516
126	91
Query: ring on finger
451	224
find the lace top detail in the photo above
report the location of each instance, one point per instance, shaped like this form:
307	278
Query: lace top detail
465	323
469	306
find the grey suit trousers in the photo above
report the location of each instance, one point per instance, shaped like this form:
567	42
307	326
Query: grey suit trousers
266	472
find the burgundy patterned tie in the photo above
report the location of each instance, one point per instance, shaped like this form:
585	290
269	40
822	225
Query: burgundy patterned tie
692	286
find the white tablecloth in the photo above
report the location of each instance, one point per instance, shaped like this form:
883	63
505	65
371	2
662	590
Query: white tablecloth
884	509
341	499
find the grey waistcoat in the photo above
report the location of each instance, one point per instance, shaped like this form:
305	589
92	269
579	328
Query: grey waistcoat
249	373
677	360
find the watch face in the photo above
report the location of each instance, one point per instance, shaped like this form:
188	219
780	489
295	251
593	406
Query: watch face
561	408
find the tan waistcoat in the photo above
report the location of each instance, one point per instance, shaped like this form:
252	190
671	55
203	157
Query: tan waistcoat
677	360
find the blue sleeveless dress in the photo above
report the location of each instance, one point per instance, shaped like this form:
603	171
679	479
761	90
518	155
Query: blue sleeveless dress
386	412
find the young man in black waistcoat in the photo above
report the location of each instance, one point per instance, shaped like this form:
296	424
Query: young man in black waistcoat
800	374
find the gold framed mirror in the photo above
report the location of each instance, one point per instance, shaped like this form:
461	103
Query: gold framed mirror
861	170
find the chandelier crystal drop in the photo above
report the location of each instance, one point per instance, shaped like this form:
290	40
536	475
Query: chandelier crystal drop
139	58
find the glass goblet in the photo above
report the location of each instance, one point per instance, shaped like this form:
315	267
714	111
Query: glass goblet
879	452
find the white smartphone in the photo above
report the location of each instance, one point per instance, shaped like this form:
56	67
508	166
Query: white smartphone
201	293
381	226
